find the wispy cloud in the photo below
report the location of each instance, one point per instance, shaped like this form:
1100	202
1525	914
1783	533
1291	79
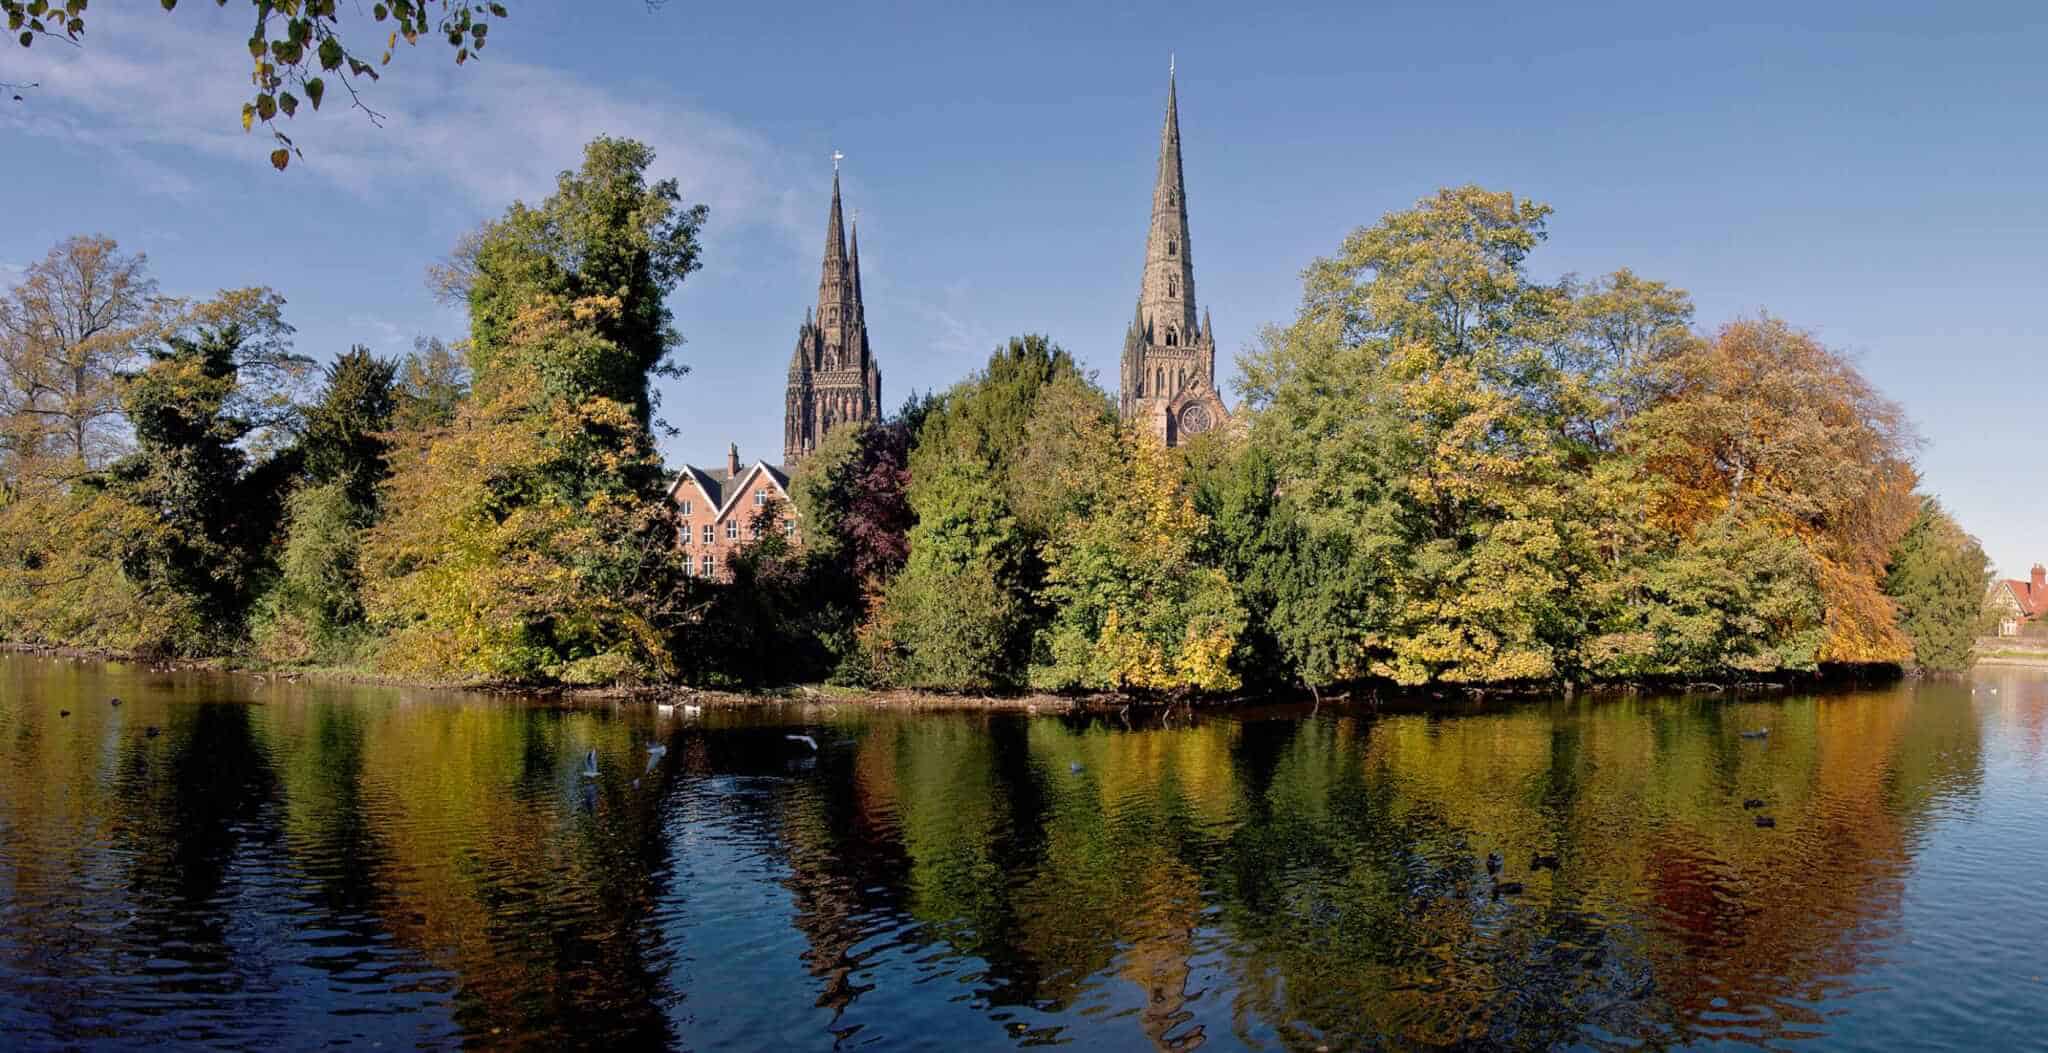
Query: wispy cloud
155	92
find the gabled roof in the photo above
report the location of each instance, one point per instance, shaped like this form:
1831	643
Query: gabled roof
719	488
2033	602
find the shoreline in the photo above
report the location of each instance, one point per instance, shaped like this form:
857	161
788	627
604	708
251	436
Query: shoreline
1373	696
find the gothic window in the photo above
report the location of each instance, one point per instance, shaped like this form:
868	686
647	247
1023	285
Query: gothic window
1159	382
1172	288
1172	336
1195	419
1171	246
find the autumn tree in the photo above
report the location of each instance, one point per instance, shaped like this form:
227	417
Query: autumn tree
531	539
75	321
1132	603
1765	423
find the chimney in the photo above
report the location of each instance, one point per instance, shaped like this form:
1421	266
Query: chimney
732	471
2039	591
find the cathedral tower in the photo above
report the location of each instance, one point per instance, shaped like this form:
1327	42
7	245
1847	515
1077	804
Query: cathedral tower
833	378
1168	379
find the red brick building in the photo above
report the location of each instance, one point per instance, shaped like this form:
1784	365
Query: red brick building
718	509
2017	603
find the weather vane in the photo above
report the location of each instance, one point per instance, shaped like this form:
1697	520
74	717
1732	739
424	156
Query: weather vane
836	158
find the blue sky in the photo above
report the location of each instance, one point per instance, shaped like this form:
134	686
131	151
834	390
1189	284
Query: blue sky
1870	171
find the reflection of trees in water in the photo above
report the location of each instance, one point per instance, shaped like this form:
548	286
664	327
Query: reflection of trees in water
1343	856
1284	882
540	911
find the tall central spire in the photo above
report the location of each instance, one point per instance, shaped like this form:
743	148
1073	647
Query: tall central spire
1169	360
1166	297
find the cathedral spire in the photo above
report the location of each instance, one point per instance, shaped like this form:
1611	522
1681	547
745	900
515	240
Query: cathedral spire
833	378
1166	297
853	263
1169	360
835	226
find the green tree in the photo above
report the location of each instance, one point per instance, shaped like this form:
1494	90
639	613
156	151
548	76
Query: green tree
210	517
1410	413
432	381
962	612
344	432
1938	575
954	617
315	609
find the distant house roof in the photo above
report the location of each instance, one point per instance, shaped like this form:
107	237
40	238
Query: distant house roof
2033	602
719	486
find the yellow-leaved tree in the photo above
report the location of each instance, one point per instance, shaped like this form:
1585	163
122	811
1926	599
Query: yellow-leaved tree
1135	603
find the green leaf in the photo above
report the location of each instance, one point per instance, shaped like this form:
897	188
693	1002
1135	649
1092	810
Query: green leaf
381	12
331	53
288	104
498	10
314	89
266	106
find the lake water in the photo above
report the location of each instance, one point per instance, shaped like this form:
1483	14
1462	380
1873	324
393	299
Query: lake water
290	866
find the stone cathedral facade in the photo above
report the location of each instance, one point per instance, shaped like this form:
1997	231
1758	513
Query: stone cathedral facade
1168	379
833	377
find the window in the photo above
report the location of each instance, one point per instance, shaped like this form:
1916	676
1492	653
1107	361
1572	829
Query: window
1172	288
707	566
760	499
686	533
1158	381
732	530
789	528
707	533
1171	246
1172	336
686	506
